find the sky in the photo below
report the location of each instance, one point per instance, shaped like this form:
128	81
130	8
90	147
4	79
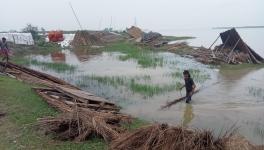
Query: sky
147	14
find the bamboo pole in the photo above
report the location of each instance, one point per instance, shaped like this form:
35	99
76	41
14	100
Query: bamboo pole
229	55
169	104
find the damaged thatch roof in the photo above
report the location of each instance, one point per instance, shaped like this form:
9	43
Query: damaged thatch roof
232	40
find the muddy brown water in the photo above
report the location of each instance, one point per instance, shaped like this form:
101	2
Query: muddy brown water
228	97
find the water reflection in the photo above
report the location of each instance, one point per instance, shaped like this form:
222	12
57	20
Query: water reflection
58	57
85	53
188	114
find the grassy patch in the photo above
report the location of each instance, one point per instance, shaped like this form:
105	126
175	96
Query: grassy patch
58	67
143	55
113	81
151	90
176	38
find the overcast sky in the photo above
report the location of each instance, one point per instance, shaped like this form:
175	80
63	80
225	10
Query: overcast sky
149	14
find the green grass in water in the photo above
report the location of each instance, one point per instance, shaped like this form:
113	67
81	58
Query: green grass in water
151	90
132	83
197	75
143	55
58	67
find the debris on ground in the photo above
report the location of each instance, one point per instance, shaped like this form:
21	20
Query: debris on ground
233	51
33	76
163	136
238	142
151	36
135	32
77	97
84	38
83	115
175	47
152	39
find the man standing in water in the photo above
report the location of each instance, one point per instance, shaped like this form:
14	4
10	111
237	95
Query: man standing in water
189	85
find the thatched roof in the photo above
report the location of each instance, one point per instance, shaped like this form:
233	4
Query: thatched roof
232	40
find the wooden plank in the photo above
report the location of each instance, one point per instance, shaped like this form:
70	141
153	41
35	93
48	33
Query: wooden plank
79	94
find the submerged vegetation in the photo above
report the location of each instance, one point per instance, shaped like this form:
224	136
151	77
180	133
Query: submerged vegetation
136	84
150	90
256	92
58	67
143	55
197	75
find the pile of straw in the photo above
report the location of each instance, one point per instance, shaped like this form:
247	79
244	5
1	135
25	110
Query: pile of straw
162	136
84	123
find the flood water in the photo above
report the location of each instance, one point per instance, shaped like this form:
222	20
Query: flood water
228	97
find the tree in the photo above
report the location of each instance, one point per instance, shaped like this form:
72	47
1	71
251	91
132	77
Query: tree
42	30
33	30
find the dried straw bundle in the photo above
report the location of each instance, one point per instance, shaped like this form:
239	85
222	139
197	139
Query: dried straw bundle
162	136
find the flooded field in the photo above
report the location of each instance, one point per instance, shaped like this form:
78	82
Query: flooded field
142	82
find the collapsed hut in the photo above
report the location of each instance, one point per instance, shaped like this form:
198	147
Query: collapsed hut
84	38
153	39
233	50
238	50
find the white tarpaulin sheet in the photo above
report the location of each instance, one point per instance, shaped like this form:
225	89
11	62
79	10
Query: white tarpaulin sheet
18	38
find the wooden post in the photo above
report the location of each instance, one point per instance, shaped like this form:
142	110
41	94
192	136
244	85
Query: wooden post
212	45
225	42
232	50
214	42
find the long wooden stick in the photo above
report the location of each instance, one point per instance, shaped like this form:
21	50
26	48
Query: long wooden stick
169	104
